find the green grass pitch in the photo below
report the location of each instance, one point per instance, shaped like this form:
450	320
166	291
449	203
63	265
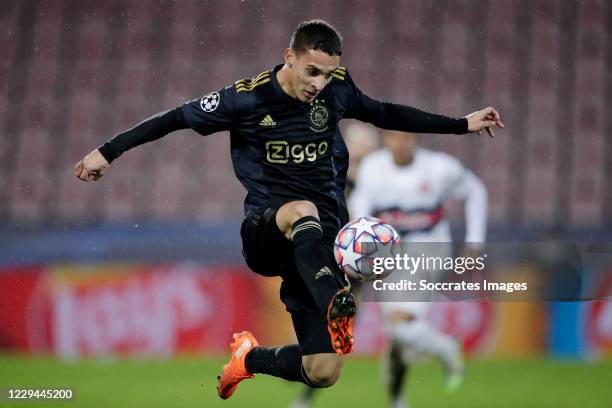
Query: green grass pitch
190	382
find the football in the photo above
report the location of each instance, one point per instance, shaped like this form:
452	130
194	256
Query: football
362	240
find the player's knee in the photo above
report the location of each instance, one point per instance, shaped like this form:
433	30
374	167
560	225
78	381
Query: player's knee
323	377
301	209
324	370
289	213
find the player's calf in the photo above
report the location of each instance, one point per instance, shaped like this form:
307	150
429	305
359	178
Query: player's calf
315	370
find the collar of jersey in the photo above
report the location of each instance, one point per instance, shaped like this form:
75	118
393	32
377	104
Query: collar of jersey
278	88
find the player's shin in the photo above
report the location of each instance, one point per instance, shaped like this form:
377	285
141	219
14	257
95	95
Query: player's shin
315	263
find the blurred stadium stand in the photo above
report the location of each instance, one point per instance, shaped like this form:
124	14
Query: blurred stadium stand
74	73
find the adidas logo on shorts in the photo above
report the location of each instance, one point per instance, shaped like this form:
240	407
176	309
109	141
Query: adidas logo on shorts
324	271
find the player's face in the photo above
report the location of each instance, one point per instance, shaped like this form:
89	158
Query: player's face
401	145
311	71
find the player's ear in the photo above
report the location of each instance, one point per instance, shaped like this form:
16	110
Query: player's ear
289	57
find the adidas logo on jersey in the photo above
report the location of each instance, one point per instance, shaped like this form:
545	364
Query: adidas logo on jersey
242	348
267	121
324	271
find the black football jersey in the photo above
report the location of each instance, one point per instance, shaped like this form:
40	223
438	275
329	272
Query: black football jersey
283	149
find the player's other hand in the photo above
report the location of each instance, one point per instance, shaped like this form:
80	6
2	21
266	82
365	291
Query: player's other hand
484	119
92	167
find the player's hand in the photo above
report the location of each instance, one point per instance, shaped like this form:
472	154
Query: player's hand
92	167
484	119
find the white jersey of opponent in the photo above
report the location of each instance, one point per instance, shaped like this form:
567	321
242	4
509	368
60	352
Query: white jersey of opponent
411	198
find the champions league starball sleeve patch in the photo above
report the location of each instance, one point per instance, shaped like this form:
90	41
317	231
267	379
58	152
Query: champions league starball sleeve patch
210	102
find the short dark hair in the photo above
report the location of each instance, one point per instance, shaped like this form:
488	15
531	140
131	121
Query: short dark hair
316	35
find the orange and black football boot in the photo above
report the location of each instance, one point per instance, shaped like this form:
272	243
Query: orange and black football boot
235	370
340	319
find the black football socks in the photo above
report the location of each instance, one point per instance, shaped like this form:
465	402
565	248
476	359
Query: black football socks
283	362
315	262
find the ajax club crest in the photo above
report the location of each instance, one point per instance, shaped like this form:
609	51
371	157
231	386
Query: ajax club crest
318	116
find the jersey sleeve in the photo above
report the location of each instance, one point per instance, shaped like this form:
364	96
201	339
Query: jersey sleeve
358	105
392	116
212	113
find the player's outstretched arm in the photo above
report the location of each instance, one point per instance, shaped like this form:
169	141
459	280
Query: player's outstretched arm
93	166
487	119
404	118
392	116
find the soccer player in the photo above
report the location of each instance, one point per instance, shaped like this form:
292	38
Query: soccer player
407	186
288	154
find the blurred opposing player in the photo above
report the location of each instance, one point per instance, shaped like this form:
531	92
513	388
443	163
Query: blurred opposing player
288	154
361	139
407	186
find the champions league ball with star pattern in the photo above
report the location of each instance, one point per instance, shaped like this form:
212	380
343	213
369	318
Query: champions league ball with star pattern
362	240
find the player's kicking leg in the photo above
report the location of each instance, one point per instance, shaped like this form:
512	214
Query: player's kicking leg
314	260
